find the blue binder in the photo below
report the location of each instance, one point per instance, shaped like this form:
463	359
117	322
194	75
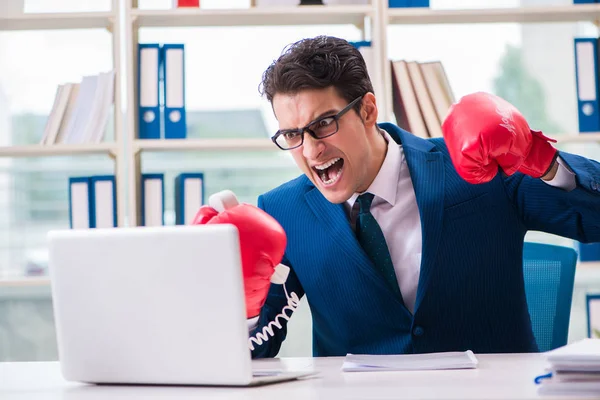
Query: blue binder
148	91
589	299
362	43
103	210
186	203
398	3
586	76
407	3
80	212
584	1
173	62
148	219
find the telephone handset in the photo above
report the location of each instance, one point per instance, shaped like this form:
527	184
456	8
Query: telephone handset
227	199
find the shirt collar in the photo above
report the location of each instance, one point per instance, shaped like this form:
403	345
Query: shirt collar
385	184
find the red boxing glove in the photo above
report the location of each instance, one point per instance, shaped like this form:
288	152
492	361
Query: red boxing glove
262	243
484	132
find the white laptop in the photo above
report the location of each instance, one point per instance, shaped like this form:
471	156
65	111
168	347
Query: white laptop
153	305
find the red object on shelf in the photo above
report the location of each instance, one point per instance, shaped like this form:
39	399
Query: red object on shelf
186	3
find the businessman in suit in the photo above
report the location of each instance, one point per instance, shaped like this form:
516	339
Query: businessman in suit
403	244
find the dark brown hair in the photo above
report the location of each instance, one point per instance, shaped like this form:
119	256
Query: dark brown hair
318	63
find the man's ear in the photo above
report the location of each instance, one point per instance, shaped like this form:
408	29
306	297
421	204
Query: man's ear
368	111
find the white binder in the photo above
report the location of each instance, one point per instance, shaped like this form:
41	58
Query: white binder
103	201
189	196
79	203
153	200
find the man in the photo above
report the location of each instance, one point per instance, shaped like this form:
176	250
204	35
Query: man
453	213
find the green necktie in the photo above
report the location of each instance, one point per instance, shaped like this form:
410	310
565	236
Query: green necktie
371	239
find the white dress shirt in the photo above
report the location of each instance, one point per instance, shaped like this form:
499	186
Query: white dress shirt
395	209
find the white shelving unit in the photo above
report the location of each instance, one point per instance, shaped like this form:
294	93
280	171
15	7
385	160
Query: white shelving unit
374	20
43	21
70	21
358	15
377	16
527	14
124	21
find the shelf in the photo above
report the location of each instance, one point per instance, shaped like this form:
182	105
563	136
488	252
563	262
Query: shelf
203	144
43	21
578	138
25	281
36	150
272	16
567	13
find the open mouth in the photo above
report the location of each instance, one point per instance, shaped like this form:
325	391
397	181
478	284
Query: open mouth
330	172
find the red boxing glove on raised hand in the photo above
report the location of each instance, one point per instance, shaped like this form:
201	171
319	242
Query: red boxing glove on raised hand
262	243
484	132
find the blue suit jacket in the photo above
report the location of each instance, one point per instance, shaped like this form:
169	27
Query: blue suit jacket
470	293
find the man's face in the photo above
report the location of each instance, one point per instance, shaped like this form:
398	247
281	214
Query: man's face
341	164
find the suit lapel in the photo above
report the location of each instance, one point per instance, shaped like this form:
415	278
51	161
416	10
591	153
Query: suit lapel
333	218
427	174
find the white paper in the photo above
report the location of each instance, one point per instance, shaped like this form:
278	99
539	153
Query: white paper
410	362
583	350
583	355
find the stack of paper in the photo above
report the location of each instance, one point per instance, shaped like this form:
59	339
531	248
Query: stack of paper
574	369
410	362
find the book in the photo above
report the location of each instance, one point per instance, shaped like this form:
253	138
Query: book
574	369
410	362
585	352
405	104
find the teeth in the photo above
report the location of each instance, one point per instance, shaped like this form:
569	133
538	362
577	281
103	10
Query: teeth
327	164
334	179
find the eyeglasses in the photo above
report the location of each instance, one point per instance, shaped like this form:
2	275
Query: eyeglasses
287	139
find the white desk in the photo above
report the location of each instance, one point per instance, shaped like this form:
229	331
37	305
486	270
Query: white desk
508	376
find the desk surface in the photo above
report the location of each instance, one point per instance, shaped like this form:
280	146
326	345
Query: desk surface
506	376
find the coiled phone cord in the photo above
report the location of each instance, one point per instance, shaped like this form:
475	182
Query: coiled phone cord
267	331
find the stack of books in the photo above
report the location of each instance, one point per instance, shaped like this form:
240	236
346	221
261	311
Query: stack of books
574	370
422	96
81	110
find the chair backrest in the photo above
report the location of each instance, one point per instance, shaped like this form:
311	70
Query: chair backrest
549	274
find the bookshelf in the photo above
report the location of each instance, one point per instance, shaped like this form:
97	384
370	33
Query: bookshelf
523	15
81	21
373	20
365	17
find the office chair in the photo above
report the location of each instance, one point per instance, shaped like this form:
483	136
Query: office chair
549	274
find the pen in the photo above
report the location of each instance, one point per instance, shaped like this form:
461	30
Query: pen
540	378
